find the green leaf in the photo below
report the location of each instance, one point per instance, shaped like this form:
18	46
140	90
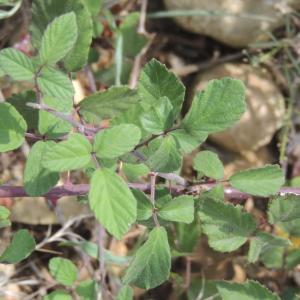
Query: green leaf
132	41
12	128
264	181
44	12
226	226
116	141
187	141
209	164
264	242
72	154
92	250
63	270
50	125
152	262
179	209
125	293
94	6
133	172
156	82
37	179
112	202
57	41
16	64
284	209
166	158
55	84
108	104
216	108
187	236
158	118
4	214
144	206
58	295
87	290
19	101
250	290
20	248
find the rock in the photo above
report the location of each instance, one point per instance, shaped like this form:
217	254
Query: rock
239	30
265	108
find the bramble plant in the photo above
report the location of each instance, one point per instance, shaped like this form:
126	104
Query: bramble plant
143	134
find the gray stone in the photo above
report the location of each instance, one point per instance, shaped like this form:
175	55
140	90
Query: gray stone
237	30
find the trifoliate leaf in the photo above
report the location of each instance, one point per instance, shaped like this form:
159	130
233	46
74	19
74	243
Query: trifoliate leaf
116	141
216	108
226	226
156	82
63	270
152	262
37	179
12	128
209	164
72	154
108	104
179	209
112	202
57	41
250	290
16	64
20	248
264	181
166	158
158	118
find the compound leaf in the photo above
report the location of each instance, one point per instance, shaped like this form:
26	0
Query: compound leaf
20	248
116	141
226	225
112	202
152	262
59	38
16	64
63	270
72	154
37	179
264	181
216	108
12	128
